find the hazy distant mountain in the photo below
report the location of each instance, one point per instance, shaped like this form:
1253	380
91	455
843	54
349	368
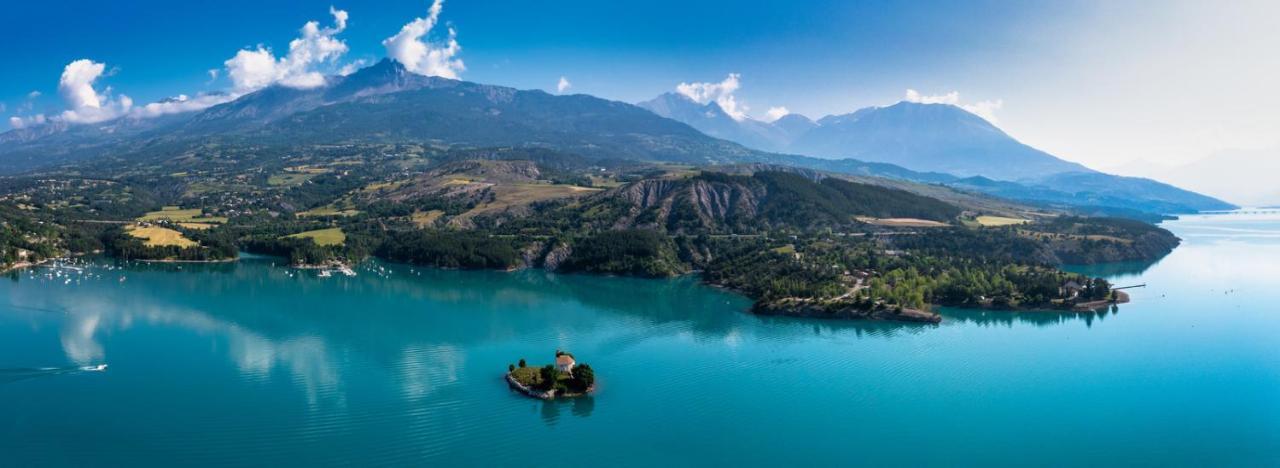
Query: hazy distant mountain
921	137
794	125
928	137
941	139
1246	177
384	103
710	119
1096	191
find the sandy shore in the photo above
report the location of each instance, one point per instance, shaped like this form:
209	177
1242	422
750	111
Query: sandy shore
1121	298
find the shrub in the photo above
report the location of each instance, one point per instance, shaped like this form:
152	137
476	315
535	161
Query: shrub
511	367
584	374
550	375
522	363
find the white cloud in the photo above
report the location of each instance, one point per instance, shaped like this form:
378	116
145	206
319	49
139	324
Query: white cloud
252	69
721	93
775	113
339	17
249	70
425	57
76	85
28	103
181	103
563	85
985	109
951	98
20	122
352	67
84	103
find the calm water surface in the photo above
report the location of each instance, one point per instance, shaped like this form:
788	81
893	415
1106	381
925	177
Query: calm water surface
261	365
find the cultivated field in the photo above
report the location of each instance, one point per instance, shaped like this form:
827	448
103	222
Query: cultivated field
425	219
903	222
989	221
179	215
331	236
159	237
509	195
328	211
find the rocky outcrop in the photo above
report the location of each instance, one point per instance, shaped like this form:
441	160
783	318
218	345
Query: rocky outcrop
519	387
531	255
461	181
543	395
682	204
555	256
1084	251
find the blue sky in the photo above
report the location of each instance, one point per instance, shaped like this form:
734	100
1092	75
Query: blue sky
813	57
1069	77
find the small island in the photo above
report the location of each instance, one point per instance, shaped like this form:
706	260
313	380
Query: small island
564	379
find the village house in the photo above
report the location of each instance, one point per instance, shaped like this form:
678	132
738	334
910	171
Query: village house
1070	290
565	362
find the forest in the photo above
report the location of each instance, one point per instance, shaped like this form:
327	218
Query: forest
769	232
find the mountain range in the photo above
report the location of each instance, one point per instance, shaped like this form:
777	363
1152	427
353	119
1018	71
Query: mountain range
938	139
1244	176
384	103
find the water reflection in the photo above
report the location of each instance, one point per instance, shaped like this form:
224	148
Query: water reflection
278	322
86	317
77	337
986	318
775	326
417	324
403	366
423	369
1115	269
550	410
306	359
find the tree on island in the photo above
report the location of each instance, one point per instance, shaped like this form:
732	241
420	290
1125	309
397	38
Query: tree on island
550	376
584	374
1097	289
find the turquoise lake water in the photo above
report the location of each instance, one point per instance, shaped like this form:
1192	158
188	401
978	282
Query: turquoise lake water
255	364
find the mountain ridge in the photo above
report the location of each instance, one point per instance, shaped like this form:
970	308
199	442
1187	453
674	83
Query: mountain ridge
945	139
384	103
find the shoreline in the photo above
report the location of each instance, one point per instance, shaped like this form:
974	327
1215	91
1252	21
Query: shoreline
543	395
1121	297
312	266
843	312
226	260
25	264
802	309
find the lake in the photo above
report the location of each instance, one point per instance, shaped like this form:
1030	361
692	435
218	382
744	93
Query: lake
252	363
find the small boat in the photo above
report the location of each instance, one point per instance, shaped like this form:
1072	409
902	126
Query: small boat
97	368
